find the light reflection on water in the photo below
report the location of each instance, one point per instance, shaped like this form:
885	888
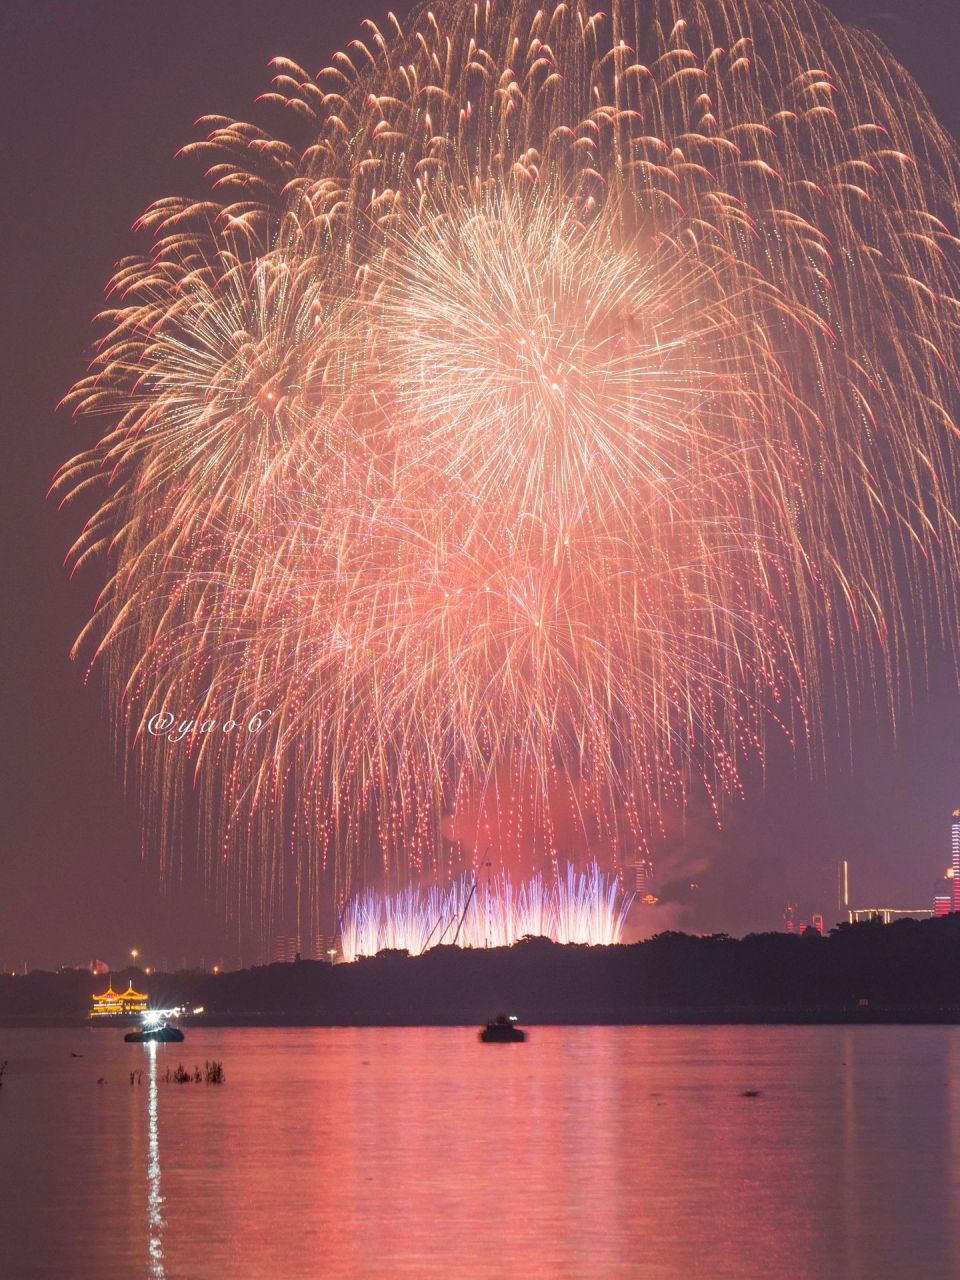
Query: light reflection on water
419	1152
154	1197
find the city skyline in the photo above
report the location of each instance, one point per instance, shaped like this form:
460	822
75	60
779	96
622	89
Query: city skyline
630	903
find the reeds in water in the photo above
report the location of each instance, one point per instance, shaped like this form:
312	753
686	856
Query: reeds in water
212	1073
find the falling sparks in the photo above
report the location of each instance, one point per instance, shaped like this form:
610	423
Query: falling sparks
561	394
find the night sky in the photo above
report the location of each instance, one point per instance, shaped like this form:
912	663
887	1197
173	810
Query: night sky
97	98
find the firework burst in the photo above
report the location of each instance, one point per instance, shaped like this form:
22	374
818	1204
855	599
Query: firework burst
555	393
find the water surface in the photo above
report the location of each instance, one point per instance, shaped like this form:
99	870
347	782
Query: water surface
420	1152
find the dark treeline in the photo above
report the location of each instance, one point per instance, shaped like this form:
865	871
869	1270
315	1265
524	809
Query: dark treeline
907	971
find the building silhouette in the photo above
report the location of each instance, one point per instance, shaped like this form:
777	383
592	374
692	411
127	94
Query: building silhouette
643	869
287	948
946	895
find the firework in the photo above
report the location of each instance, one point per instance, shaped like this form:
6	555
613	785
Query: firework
585	907
548	397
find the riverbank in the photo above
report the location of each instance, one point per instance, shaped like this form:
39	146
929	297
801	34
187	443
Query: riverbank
906	972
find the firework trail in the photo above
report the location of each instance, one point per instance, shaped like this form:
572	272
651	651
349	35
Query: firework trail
561	394
585	907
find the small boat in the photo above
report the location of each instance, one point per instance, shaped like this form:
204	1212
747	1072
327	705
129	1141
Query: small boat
503	1031
155	1035
156	1028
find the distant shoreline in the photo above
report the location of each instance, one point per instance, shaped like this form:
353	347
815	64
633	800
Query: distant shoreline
907	972
660	1018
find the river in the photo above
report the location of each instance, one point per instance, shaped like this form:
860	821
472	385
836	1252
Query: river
611	1151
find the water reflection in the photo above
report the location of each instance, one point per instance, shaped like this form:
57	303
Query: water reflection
737	1153
155	1222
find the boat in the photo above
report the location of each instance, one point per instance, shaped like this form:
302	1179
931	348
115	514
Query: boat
503	1030
156	1029
155	1035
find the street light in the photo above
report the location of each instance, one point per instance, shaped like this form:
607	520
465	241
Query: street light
133	955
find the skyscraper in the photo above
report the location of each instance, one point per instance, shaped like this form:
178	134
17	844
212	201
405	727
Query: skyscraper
285	949
288	948
955	857
644	876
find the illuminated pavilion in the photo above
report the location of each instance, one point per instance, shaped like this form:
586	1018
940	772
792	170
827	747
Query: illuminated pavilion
113	1003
